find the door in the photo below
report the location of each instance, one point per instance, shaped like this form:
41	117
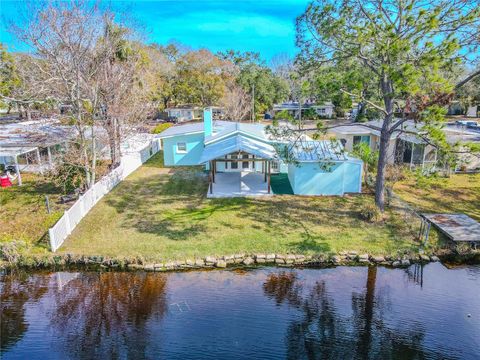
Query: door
239	165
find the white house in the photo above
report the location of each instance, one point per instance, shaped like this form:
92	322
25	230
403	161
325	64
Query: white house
405	145
184	113
325	110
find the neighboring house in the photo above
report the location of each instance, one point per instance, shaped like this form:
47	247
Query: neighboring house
241	157
185	113
325	110
406	146
218	113
31	146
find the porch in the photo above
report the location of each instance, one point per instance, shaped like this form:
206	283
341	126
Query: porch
239	184
238	166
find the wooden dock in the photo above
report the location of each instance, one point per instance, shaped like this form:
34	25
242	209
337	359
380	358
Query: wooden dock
457	227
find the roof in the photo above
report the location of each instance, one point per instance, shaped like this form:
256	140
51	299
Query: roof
236	144
184	129
354	129
294	105
221	129
323	150
184	107
15	151
34	133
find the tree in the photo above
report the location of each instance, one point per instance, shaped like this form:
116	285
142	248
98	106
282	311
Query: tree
63	37
269	88
22	85
236	102
162	74
406	47
201	77
121	96
369	157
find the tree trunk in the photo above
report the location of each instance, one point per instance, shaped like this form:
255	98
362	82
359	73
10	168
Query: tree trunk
387	90
364	344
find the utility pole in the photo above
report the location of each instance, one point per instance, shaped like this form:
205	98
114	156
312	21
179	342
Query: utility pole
300	113
253	102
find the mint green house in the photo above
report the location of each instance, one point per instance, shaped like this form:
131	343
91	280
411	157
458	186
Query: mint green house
241	159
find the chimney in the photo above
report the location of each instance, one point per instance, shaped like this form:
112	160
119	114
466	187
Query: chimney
207	122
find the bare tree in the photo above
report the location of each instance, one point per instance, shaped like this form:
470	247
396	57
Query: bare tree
236	102
120	85
63	36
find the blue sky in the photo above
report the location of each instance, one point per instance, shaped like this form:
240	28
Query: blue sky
265	26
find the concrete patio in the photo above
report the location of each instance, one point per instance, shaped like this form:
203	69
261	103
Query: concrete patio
238	184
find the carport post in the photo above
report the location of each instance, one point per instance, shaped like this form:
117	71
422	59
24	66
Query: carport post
210	178
17	169
214	169
264	169
39	161
49	155
269	176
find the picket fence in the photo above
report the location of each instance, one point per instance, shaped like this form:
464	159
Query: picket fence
129	163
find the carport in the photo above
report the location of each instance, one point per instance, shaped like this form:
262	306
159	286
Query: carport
238	150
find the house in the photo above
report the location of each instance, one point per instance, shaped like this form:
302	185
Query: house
31	146
242	157
406	145
184	113
325	110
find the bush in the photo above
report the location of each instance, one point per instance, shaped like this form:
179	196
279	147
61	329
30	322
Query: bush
370	212
427	180
161	128
283	115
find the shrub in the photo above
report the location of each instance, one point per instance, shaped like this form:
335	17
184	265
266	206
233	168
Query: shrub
161	128
427	180
283	115
369	212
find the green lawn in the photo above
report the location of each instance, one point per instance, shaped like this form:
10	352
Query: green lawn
456	194
23	213
161	214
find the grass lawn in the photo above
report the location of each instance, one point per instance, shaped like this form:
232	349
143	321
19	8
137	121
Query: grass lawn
161	214
456	194
23	213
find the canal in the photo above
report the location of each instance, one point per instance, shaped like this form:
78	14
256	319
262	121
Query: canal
422	312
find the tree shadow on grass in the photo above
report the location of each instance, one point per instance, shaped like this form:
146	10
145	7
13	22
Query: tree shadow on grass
171	205
174	205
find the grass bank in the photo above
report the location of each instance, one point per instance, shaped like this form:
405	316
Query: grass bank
460	193
162	214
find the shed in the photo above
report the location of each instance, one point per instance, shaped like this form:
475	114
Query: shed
323	168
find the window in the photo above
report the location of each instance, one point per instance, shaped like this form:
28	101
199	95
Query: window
357	139
275	166
181	147
234	164
245	164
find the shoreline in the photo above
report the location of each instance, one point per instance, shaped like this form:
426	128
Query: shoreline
237	261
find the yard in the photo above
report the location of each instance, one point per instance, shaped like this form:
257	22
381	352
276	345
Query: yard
23	211
456	194
160	214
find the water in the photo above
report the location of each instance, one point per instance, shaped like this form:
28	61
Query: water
338	313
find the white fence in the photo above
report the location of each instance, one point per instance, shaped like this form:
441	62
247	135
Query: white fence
131	161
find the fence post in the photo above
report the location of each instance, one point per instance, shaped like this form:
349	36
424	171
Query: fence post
51	236
67	222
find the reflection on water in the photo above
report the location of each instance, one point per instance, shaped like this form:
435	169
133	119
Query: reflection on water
340	313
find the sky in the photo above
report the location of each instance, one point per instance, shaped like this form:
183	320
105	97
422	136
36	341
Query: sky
264	26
